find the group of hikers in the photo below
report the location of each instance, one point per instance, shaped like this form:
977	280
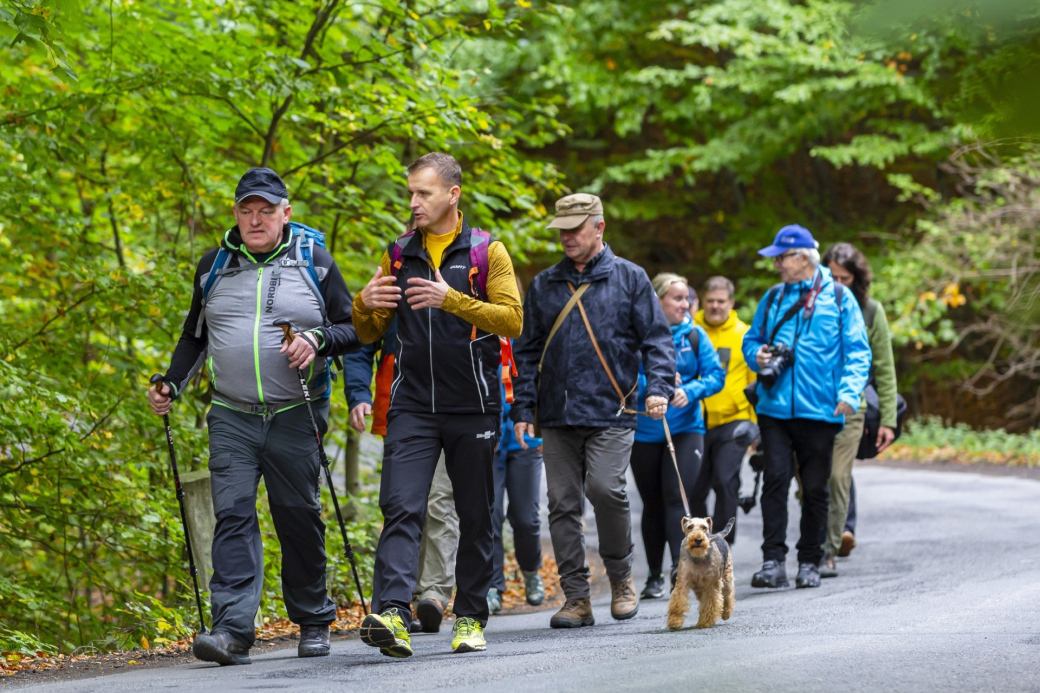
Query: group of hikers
596	369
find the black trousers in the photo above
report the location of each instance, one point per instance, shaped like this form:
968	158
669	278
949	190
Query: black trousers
812	443
412	445
721	473
658	486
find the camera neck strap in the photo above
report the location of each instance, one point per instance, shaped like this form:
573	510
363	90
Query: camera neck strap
806	306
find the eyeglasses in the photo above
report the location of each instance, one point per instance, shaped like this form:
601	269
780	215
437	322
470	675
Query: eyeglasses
781	258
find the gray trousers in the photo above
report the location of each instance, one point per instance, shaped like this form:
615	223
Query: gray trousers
440	541
281	449
585	461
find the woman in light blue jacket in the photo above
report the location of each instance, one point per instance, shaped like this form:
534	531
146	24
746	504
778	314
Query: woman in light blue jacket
698	375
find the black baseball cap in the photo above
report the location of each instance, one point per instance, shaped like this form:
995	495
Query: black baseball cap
264	183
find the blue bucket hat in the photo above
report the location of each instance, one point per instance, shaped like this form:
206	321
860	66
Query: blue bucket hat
791	236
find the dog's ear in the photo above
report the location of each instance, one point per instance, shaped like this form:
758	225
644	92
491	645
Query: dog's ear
686	524
709	524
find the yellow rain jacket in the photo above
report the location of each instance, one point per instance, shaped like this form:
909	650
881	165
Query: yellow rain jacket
730	404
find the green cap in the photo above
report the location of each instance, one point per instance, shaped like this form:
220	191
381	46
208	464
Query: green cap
573	210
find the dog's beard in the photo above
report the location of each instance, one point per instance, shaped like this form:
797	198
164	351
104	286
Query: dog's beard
698	551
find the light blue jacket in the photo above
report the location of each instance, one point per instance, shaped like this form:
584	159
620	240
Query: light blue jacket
702	376
831	358
507	441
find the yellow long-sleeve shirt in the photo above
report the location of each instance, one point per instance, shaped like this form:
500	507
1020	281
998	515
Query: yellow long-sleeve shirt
730	404
501	314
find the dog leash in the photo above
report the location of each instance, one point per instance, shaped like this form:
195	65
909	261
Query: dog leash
675	460
576	299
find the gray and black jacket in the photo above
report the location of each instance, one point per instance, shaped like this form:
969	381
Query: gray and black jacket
235	336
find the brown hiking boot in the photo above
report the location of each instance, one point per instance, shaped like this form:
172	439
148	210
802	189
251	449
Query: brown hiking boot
624	604
848	543
574	614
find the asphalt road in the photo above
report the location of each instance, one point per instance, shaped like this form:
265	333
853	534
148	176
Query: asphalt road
941	594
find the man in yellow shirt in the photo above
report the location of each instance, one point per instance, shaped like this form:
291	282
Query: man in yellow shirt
444	396
722	457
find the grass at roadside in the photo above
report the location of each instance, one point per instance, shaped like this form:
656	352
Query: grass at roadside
928	439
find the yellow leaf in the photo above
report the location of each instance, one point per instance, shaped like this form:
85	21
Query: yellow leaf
413	15
523	3
431	119
487	25
144	644
133	661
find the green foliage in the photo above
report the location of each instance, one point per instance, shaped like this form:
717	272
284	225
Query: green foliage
17	642
970	277
930	438
707	125
118	181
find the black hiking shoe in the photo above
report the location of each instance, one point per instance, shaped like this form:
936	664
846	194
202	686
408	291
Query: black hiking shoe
430	613
654	588
772	575
808	575
314	641
220	647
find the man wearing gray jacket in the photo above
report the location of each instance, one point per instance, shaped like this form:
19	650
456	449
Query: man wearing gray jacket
265	270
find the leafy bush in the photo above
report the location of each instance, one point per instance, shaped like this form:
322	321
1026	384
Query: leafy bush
930	439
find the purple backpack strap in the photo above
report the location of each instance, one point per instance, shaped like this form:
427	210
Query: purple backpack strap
478	258
396	250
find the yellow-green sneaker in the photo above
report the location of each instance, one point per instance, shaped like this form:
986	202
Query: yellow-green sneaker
468	635
388	632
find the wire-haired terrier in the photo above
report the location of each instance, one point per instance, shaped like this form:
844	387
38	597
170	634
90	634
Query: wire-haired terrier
706	567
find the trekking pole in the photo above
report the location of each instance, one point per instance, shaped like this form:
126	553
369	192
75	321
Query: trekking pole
155	380
287	330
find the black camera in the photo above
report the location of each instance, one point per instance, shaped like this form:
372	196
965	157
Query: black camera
781	356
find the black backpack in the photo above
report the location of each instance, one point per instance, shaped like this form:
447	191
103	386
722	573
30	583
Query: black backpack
872	420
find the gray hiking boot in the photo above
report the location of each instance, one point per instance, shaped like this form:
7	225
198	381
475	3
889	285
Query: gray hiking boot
494	600
534	587
829	566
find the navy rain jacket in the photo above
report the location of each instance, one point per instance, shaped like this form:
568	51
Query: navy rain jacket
629	325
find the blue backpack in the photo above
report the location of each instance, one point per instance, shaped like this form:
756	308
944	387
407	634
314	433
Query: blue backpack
306	238
301	255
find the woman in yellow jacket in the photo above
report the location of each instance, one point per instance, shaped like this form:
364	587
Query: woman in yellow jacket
723	411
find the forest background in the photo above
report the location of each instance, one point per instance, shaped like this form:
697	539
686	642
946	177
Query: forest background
903	126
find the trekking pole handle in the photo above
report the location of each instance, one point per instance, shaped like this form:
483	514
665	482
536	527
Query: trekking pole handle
156	379
287	329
